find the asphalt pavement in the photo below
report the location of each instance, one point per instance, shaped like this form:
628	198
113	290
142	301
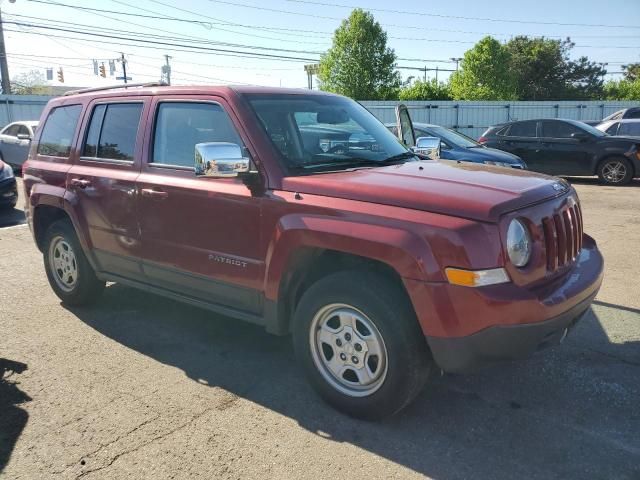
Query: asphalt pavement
139	386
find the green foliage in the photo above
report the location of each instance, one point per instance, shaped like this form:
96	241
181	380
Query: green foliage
539	66
631	71
584	80
485	73
622	89
429	90
359	64
31	83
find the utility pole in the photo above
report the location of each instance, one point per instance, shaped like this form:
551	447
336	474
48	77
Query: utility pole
124	66
436	74
166	71
425	74
457	60
4	67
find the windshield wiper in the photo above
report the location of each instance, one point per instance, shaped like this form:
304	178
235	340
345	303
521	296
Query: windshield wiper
355	161
396	158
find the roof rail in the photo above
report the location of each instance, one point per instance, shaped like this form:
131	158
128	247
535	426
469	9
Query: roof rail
113	87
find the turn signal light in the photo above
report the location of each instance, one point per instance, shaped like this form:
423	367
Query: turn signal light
476	278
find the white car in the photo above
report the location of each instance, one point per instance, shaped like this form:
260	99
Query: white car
627	127
15	140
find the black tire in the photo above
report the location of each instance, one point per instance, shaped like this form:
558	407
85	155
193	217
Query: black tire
87	287
612	164
409	361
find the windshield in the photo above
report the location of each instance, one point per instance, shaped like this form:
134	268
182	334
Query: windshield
454	138
316	132
590	129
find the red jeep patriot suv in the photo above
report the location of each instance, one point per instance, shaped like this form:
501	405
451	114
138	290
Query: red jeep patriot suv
301	212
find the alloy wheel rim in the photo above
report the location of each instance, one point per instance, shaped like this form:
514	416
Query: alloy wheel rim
63	263
614	172
348	350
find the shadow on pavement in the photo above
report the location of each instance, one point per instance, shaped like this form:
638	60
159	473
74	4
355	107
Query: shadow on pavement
11	217
571	412
595	181
12	418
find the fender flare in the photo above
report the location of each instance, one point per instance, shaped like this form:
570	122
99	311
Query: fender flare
62	199
403	251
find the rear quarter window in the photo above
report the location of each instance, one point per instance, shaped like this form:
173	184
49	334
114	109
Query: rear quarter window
58	131
632	129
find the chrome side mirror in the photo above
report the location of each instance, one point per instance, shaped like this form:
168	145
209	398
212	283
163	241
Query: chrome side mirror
220	160
429	146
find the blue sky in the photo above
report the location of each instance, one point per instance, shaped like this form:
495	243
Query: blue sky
422	34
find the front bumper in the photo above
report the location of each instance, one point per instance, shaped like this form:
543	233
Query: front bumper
503	342
8	192
467	328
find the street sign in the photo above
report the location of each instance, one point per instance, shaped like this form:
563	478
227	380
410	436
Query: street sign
122	78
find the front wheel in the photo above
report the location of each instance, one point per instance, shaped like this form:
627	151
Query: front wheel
615	171
358	339
69	272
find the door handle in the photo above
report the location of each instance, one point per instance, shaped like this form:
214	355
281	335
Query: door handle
151	193
80	182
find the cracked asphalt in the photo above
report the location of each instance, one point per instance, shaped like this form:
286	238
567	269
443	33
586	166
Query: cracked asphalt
143	387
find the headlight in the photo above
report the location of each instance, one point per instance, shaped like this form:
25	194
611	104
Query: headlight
7	172
497	164
518	243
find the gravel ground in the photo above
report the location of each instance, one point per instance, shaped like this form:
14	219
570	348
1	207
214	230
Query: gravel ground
143	387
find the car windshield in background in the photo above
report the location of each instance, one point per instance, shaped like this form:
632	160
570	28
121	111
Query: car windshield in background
455	138
313	132
590	129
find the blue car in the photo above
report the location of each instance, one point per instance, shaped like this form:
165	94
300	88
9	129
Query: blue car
456	146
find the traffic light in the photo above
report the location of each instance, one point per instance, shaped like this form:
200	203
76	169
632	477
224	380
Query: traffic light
60	75
103	72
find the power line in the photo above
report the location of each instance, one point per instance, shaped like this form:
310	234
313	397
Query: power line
458	17
283	30
93	28
194	47
226	2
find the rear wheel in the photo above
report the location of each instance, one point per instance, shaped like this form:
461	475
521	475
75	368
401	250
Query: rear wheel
615	171
70	275
358	339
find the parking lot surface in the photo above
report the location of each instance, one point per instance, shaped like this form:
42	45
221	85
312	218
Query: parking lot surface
142	387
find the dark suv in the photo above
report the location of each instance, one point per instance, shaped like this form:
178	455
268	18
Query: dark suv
568	147
299	211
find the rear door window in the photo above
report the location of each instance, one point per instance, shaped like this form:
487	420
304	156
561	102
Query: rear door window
635	113
631	128
523	129
113	131
12	131
58	131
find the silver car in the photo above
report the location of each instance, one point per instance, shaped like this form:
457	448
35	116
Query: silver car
15	140
626	127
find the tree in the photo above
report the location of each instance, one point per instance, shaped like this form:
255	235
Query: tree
429	90
359	64
539	67
584	79
622	89
631	71
485	73
30	83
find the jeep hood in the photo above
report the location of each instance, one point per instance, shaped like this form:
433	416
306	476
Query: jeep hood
466	190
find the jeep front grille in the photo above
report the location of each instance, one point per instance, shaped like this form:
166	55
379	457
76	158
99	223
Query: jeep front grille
563	236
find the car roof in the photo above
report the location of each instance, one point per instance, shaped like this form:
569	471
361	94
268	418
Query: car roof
190	90
416	124
626	120
31	123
